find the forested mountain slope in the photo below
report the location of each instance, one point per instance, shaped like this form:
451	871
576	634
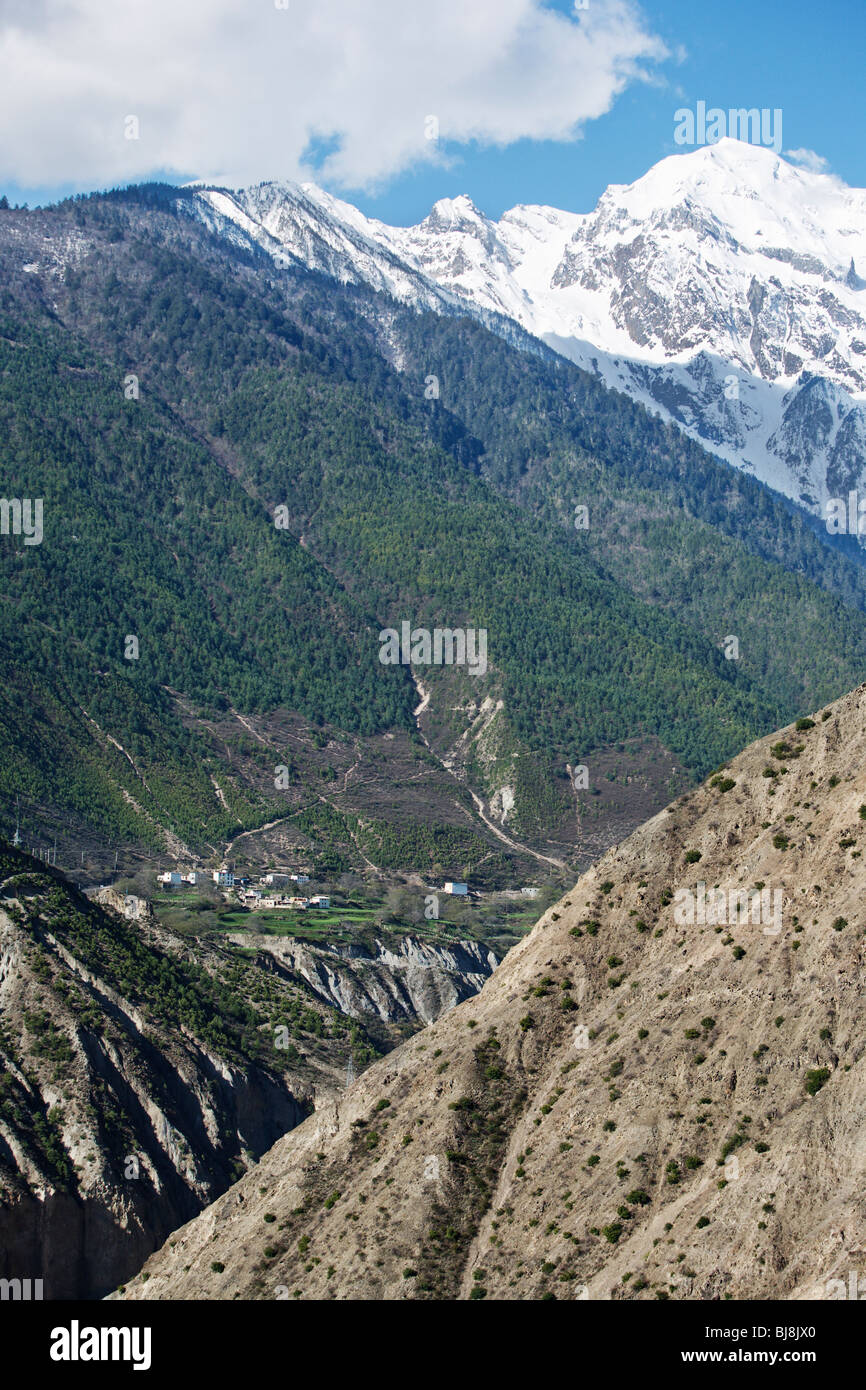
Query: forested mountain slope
243	469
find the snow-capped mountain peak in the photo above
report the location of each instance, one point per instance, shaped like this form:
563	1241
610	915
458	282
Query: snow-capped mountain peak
454	214
723	289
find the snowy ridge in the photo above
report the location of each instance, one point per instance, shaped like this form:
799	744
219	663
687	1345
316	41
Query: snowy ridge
722	290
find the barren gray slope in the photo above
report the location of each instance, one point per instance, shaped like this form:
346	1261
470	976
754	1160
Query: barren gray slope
492	1153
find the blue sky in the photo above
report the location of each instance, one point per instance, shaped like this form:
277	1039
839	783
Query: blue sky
792	54
808	59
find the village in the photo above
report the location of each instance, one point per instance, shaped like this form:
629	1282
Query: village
294	901
272	889
240	887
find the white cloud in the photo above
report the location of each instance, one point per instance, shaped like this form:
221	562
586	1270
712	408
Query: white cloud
236	90
808	159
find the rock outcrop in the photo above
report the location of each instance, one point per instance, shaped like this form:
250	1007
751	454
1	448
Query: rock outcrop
411	980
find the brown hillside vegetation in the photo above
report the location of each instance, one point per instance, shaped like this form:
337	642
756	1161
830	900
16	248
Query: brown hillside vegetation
633	1107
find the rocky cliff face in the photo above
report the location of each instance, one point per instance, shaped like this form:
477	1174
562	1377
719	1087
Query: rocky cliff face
131	1093
660	1092
412	980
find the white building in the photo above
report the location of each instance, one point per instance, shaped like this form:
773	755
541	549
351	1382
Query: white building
276	880
224	878
171	877
300	878
320	900
458	889
294	903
